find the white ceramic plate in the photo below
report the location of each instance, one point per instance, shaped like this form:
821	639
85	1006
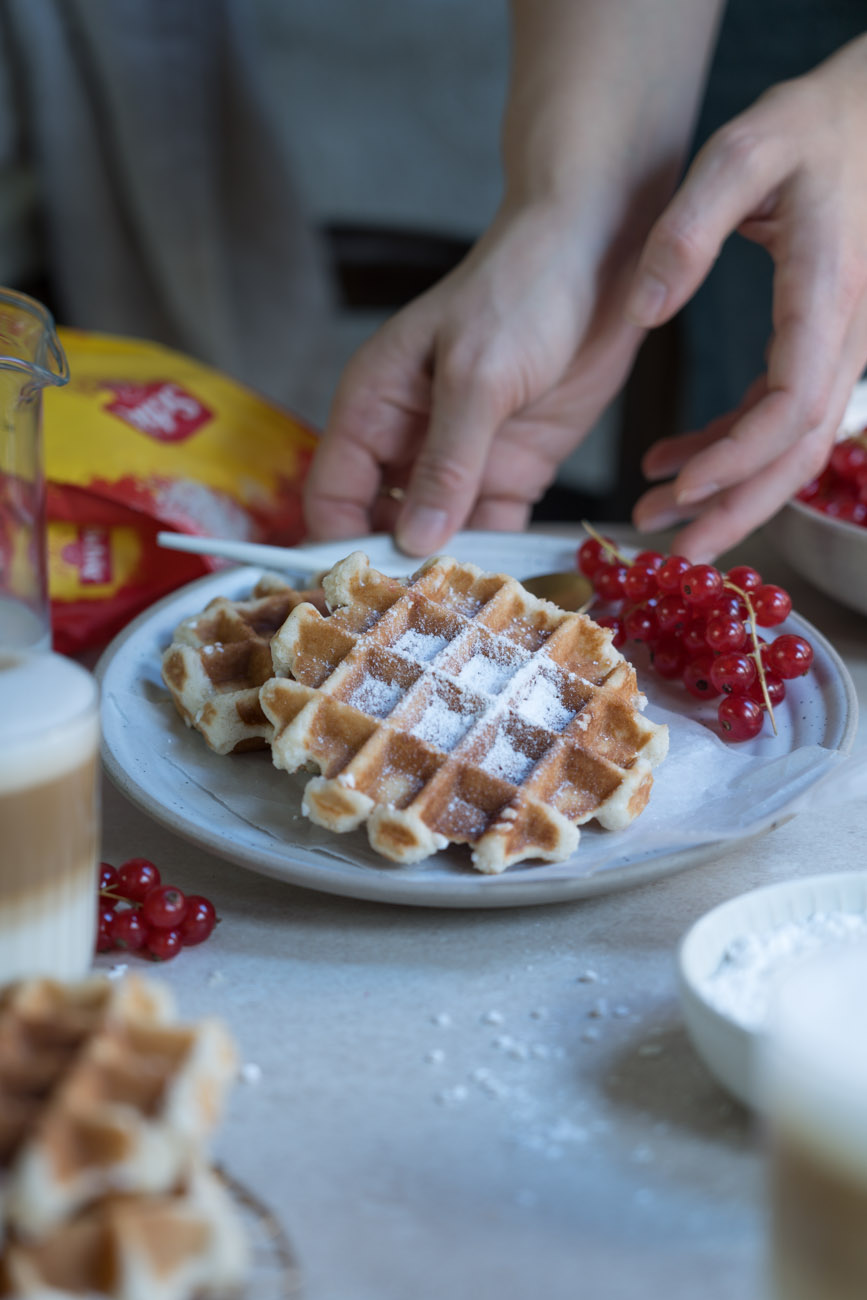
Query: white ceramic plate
706	793
728	1044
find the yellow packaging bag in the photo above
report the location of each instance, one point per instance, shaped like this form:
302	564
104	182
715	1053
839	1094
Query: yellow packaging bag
142	439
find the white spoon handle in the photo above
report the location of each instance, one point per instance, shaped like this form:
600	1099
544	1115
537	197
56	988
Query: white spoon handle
297	559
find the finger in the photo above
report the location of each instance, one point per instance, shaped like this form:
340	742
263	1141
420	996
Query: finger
730	178
377	412
500	514
666	457
734	513
466	411
812	318
658	509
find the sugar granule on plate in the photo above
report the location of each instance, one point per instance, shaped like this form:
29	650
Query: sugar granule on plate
742	984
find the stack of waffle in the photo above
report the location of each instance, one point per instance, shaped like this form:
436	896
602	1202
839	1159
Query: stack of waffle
457	708
106	1102
218	660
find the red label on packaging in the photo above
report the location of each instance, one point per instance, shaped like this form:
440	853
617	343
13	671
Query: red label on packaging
91	555
161	410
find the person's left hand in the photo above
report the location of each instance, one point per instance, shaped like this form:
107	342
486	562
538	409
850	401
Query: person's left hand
790	174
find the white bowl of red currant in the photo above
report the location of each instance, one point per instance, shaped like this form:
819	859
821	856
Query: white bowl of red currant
702	627
823	531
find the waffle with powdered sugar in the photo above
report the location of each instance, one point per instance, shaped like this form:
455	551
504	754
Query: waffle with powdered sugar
457	708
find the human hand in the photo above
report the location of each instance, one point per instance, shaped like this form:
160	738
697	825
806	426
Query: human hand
471	396
790	174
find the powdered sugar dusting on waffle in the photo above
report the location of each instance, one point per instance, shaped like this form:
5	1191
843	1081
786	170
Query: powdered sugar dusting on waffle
441	725
372	695
419	646
488	674
543	704
465	711
505	760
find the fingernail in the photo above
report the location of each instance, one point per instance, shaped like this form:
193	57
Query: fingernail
646	301
423	530
690	496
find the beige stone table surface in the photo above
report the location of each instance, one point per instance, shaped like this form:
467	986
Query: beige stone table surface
459	1104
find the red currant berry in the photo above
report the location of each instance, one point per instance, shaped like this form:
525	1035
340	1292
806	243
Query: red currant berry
104	917
653	558
771	606
669	658
744	578
740	717
591	556
164	907
697	679
848	508
107	875
694	637
670	572
672	613
640	582
725	635
847	458
163	944
776	690
701	584
640	624
608	581
128	930
135	878
733	674
789	656
616	625
199	921
727	606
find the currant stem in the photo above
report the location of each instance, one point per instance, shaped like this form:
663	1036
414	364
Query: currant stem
756	654
118	898
606	545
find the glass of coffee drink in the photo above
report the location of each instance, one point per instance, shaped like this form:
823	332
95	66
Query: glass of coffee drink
49	815
814	1090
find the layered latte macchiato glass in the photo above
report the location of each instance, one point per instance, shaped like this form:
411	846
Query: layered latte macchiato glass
814	1080
49	815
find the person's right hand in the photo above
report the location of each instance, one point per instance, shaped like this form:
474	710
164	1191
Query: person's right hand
471	396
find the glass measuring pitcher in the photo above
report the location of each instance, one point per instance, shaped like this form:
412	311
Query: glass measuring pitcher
30	358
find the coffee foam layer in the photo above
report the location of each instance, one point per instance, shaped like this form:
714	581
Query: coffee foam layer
48	718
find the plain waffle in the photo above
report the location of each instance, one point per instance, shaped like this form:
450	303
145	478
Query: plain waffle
457	708
101	1092
219	658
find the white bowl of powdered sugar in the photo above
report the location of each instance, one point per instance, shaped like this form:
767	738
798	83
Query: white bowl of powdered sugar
732	959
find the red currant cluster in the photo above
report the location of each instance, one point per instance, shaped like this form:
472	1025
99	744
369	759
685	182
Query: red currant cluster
140	914
700	626
841	489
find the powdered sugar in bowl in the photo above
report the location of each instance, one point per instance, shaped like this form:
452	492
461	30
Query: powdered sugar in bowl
731	959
